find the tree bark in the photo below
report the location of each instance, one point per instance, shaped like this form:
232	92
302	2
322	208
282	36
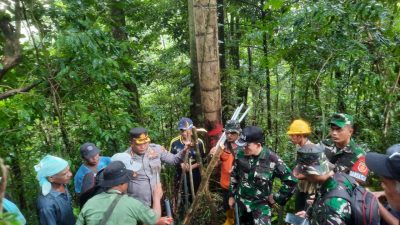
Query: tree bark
196	110
389	105
205	31
267	82
118	25
341	106
225	92
12	49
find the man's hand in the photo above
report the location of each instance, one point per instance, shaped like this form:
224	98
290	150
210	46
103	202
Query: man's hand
301	214
164	220
212	151
379	194
231	202
185	167
158	192
271	199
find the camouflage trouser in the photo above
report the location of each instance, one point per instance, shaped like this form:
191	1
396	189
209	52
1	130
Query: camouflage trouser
255	214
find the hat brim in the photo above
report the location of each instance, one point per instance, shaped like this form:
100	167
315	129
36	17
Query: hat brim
186	128
232	131
377	163
240	142
141	141
319	169
335	123
117	181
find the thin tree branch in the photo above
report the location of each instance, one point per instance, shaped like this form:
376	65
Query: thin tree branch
13	92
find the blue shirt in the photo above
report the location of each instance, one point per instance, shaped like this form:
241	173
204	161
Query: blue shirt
83	170
10	207
55	208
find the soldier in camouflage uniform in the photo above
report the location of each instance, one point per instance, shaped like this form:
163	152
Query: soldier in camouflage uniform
253	173
341	149
314	167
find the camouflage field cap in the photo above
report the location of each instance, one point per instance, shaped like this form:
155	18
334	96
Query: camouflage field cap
311	160
232	126
341	120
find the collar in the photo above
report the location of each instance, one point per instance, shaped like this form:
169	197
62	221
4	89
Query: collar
57	193
181	139
328	185
348	148
113	191
133	154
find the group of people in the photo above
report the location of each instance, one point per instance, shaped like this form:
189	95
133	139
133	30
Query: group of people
324	178
131	192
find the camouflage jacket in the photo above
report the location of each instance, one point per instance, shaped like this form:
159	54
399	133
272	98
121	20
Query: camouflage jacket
252	178
330	211
344	158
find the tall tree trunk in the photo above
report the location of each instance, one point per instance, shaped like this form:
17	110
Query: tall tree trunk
389	105
11	50
118	25
267	82
341	106
241	85
222	60
292	92
205	32
250	71
196	110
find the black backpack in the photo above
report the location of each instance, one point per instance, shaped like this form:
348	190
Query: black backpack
90	186
364	205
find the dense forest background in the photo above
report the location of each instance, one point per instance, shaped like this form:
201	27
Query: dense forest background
88	71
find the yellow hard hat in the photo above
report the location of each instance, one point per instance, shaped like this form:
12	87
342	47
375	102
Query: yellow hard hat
299	127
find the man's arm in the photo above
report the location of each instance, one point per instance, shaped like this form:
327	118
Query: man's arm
283	172
47	216
387	216
337	211
170	158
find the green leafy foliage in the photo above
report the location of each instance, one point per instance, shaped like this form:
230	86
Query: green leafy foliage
103	74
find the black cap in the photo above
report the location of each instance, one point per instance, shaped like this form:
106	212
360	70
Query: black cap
139	135
384	165
250	134
115	174
88	150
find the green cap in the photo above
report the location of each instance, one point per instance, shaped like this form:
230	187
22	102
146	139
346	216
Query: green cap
311	160
341	120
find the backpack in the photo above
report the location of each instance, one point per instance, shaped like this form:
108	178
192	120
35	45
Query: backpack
364	205
91	186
